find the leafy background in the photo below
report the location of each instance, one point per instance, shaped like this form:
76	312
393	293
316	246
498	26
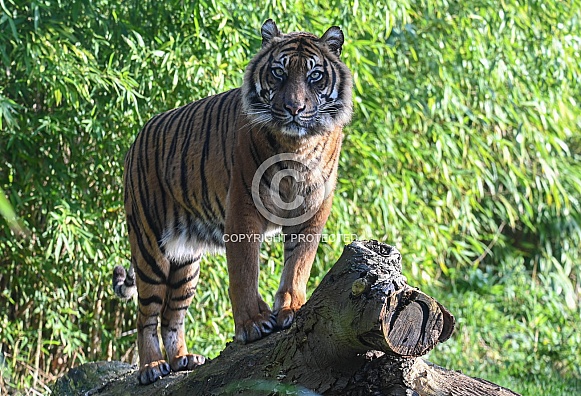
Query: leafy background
463	152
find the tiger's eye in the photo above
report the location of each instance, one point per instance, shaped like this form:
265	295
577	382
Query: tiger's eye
278	72
315	76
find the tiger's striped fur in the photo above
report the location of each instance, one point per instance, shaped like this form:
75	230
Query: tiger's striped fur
189	184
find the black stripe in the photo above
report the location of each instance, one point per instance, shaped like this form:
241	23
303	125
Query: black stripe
150	300
234	111
344	74
180	114
150	260
333	73
209	114
302	46
182	281
184	155
183	308
147	279
142	187
227	128
174	140
161	156
178	131
222	138
128	163
317	152
265	72
151	208
186	296
256	61
176	265
220	208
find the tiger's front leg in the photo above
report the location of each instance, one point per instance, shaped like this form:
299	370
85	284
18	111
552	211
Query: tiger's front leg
244	229
300	248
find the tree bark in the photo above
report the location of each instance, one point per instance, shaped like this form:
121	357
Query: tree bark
361	333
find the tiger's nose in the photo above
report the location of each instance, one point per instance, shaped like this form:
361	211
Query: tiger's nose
294	108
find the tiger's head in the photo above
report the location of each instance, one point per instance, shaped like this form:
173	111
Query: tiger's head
297	84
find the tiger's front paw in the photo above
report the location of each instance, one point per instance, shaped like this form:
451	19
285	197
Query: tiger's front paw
187	362
256	327
285	307
285	317
153	371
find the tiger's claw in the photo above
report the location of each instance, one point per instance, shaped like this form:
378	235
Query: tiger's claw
187	362
256	328
153	371
285	317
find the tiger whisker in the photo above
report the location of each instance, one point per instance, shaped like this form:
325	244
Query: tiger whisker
258	121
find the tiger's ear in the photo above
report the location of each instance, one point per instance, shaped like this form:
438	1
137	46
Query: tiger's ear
334	39
269	31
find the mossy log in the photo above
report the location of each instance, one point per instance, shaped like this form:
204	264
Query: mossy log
361	333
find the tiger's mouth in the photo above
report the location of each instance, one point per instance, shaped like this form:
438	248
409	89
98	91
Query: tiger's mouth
299	120
295	128
295	124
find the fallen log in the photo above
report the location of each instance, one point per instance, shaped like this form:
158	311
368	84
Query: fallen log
361	333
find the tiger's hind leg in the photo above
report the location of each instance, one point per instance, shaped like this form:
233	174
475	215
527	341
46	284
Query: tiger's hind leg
152	290
182	284
151	269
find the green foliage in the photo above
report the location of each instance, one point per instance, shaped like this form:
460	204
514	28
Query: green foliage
464	153
7	212
511	329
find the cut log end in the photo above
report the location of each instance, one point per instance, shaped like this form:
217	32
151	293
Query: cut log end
413	323
392	316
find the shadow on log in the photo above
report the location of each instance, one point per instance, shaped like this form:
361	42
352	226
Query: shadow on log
361	333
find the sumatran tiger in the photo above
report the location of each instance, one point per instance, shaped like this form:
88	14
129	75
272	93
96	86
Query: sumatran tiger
191	188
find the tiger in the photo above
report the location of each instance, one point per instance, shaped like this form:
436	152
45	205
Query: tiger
190	188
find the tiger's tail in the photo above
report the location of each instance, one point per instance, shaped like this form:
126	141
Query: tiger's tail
124	282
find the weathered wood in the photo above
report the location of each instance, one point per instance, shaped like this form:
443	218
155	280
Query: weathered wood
360	333
430	380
